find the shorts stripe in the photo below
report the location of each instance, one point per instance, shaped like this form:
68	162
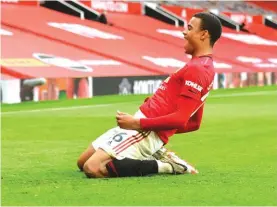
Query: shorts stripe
127	140
130	139
137	136
133	141
130	144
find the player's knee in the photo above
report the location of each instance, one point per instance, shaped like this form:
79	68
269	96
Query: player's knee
84	157
80	164
92	170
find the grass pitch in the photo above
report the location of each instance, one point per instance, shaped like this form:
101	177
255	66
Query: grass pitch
235	151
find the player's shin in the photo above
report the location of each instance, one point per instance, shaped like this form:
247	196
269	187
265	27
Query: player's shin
131	167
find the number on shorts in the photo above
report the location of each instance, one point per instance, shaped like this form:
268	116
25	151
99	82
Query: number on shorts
119	137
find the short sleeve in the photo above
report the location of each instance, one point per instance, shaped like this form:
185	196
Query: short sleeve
191	83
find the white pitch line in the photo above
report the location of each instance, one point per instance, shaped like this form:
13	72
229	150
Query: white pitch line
56	109
103	105
257	93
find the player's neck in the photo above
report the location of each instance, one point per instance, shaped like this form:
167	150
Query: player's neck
205	52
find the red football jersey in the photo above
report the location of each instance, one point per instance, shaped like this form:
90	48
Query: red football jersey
194	80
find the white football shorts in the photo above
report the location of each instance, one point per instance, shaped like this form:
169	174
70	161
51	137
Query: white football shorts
121	143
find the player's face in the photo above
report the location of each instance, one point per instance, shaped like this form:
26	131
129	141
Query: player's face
193	35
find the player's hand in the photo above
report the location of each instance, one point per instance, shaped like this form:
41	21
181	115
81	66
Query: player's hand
127	121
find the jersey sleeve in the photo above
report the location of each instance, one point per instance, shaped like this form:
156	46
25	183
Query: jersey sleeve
192	85
177	119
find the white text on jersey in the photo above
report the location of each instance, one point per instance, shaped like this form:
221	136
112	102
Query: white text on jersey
194	85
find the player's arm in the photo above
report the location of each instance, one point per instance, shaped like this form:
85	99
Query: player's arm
187	103
185	107
193	123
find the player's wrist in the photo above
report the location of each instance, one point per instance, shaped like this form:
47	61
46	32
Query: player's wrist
137	123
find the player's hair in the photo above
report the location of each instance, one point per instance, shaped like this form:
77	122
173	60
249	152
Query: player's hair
210	23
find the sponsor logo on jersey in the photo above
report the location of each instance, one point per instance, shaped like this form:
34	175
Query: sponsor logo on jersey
194	85
162	87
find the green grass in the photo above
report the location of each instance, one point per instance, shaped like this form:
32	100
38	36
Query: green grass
235	151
